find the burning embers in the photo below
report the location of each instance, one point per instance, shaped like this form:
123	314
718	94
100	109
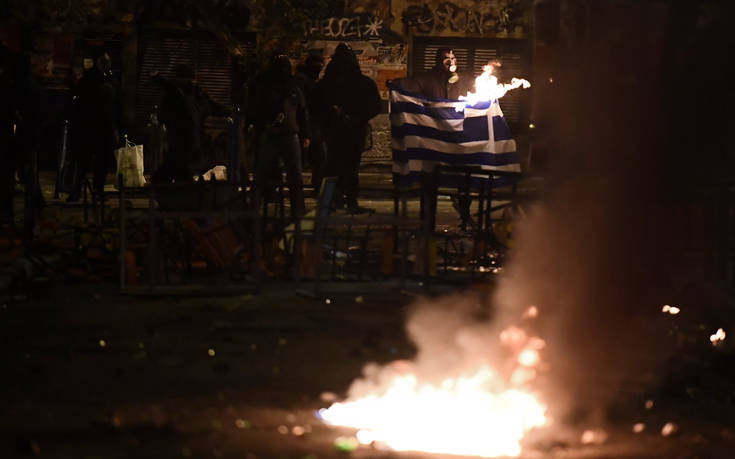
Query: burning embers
718	337
488	89
484	412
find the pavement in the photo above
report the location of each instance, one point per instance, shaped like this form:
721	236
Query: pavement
89	372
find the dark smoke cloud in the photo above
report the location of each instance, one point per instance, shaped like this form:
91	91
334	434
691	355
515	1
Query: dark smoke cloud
640	123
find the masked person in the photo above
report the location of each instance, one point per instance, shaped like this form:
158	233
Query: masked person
95	125
347	100
184	107
277	110
443	81
306	77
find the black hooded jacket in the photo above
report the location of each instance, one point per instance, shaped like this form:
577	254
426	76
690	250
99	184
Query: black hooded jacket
354	95
96	114
274	92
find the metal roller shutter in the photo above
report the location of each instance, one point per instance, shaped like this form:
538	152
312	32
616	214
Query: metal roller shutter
162	50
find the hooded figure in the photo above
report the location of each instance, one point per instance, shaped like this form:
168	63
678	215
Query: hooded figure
277	109
183	109
443	81
306	77
95	124
346	100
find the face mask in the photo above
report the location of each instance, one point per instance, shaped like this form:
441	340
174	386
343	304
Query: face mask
450	63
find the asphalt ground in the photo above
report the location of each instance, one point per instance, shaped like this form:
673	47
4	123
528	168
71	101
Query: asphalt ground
89	372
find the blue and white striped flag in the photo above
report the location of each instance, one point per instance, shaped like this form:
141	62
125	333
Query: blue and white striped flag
429	132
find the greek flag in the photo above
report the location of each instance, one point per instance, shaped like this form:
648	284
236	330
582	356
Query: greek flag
429	132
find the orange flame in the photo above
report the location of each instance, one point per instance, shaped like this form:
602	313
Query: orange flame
487	88
479	413
458	416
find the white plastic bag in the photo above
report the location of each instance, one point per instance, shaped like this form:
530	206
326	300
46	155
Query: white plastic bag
130	164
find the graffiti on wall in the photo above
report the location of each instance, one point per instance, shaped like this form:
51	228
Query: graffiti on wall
453	18
395	54
354	27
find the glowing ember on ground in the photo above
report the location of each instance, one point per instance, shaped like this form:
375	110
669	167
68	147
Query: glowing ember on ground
593	437
482	412
528	358
718	337
669	428
487	88
531	313
673	310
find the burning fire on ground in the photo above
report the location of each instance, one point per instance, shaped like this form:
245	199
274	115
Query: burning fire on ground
484	412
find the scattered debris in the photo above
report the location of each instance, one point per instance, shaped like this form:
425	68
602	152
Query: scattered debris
283	430
649	404
639	427
668	309
328	397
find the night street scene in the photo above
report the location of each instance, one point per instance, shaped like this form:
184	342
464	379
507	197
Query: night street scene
357	229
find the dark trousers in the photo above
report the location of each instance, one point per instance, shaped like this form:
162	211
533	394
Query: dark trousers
317	158
99	160
344	152
287	148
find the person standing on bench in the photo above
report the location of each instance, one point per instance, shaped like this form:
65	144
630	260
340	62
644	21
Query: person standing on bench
277	110
347	100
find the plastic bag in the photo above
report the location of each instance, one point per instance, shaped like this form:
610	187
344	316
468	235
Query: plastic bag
130	164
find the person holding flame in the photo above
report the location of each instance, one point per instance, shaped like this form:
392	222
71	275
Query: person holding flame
443	81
